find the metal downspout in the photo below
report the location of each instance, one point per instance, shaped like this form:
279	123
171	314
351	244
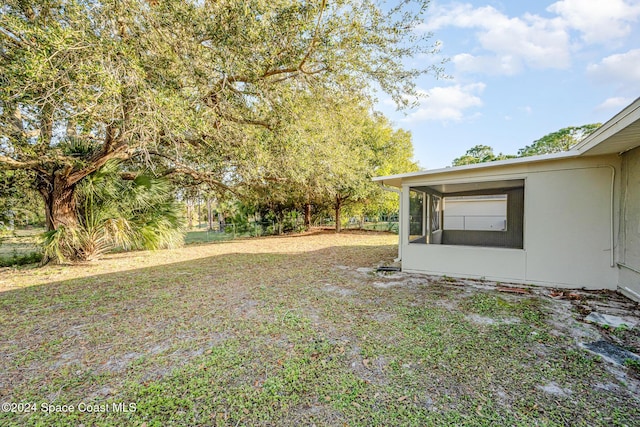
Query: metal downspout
611	223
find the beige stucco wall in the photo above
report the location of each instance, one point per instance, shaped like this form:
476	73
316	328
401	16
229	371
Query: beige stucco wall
465	261
567	227
629	253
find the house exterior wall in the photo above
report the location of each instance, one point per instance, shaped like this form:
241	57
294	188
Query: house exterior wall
629	237
567	227
508	265
567	233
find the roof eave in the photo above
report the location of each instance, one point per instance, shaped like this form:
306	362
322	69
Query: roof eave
396	180
620	121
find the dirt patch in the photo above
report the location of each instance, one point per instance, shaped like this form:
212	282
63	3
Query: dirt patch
483	320
554	389
386	285
338	290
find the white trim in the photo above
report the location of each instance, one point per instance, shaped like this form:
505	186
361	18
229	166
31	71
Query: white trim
498	163
624	118
630	293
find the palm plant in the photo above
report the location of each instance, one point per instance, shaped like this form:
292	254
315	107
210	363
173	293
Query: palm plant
114	213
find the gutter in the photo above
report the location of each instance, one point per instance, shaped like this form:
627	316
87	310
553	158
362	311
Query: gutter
612	223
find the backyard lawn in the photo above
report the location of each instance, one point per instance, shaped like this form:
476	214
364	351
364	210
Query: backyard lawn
298	330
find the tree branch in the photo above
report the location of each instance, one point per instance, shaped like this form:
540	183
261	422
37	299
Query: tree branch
97	161
39	165
11	37
180	169
12	164
46	127
263	123
109	139
198	176
315	37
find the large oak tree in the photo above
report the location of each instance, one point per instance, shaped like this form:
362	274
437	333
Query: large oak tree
172	85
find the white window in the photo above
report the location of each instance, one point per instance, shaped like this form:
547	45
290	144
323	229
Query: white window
476	213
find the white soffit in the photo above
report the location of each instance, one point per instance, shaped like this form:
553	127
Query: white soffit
473	186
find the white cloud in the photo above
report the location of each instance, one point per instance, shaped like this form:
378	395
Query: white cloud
508	45
511	43
496	65
447	103
539	43
599	21
460	15
615	103
622	69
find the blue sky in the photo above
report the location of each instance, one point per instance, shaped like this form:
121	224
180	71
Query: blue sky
519	70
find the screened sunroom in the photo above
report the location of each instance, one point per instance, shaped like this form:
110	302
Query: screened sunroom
473	214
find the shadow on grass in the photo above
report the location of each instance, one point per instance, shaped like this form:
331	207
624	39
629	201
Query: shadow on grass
292	339
90	336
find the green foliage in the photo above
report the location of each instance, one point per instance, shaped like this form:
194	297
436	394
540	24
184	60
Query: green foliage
555	142
115	213
325	158
633	364
480	154
561	140
19	204
21	259
240	224
4	232
291	222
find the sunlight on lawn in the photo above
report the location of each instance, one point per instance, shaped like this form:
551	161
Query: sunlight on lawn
126	261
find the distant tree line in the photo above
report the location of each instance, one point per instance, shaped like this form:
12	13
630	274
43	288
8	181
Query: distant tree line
554	142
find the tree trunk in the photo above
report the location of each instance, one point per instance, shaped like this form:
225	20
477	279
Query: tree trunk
59	203
279	218
190	213
199	213
209	214
338	208
221	223
307	216
60	208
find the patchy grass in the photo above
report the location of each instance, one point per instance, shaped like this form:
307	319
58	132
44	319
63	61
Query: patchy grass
16	259
292	330
206	236
20	248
